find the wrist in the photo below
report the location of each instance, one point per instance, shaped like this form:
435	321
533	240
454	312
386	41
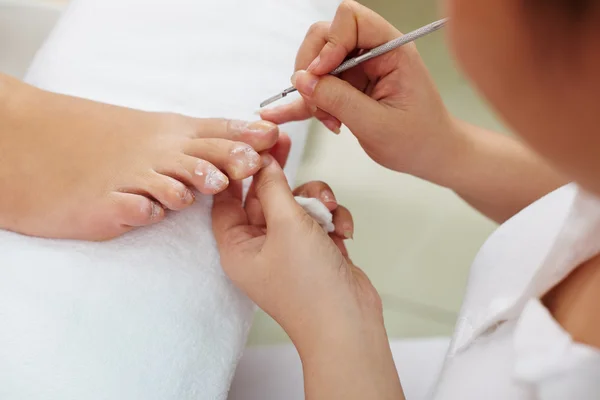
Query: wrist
451	152
327	326
350	361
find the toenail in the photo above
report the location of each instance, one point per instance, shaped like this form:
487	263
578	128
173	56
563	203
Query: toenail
155	210
257	127
260	127
187	196
214	180
245	157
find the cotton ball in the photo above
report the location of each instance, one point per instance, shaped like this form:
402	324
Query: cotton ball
318	211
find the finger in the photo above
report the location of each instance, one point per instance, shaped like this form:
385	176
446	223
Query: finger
274	194
228	219
343	222
261	135
313	43
281	149
299	110
294	111
318	190
253	207
238	159
340	99
354	27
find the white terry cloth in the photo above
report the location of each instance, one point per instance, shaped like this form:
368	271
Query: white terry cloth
506	344
275	372
149	315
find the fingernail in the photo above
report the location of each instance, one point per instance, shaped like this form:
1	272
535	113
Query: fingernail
214	180
313	65
305	82
328	197
266	160
332	125
348	231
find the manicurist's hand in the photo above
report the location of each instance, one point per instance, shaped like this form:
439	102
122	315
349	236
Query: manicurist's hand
389	103
393	108
288	265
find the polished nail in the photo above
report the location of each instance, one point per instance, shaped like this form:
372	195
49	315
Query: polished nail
256	127
260	127
313	65
214	180
245	157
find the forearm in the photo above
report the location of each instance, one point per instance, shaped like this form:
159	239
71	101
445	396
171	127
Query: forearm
354	363
495	173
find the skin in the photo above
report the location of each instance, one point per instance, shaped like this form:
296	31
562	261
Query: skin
78	169
548	94
408	128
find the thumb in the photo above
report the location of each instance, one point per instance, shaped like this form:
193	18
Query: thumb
339	98
274	193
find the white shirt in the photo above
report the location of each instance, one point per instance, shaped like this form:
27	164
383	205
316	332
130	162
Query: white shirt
506	344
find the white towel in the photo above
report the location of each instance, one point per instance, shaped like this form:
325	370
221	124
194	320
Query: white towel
149	315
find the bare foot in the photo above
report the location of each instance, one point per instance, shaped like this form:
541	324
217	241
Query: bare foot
73	168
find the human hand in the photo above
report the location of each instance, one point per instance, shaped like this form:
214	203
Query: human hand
389	103
285	262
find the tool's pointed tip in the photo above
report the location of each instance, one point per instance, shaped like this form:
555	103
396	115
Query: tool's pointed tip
271	100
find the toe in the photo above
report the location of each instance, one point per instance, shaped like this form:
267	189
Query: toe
136	210
238	159
170	192
204	176
261	135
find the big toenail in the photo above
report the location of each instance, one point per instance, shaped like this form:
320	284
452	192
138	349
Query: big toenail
256	127
261	127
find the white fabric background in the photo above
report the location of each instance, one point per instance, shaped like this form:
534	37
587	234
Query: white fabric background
150	315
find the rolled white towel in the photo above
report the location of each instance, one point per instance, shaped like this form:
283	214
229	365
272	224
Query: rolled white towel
149	315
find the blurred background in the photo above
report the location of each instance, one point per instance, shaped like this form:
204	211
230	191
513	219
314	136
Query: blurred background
415	240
